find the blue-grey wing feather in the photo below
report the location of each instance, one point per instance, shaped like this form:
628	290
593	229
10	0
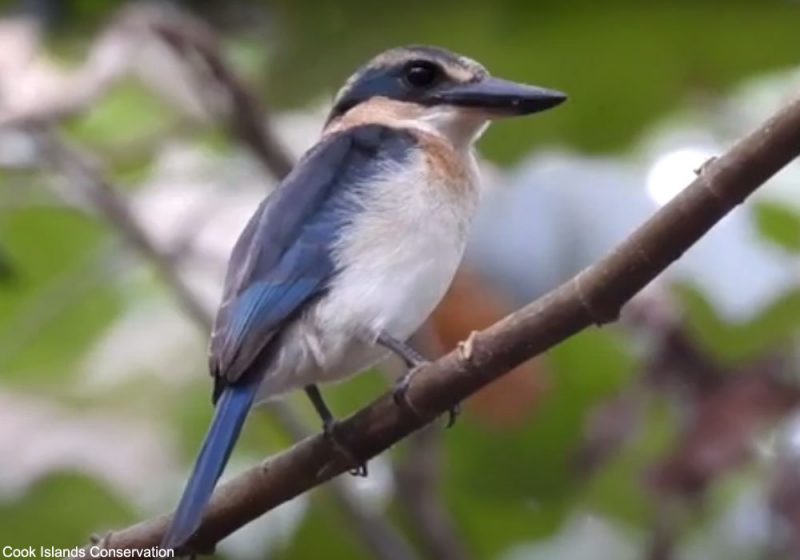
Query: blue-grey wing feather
282	260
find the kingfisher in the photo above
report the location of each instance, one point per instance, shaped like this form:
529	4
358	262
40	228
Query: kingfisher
351	253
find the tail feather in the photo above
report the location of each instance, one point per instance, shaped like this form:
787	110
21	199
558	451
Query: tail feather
231	411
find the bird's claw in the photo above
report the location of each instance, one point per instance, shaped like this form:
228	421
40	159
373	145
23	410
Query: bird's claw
400	396
400	391
452	415
329	429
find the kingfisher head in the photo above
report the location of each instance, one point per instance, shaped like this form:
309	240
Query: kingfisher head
437	90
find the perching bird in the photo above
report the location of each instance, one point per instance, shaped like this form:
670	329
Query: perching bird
355	248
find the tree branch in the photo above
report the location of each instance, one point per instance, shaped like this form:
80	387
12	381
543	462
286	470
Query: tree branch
594	296
384	542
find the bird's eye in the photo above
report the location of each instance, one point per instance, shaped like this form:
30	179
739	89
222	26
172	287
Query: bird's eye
422	74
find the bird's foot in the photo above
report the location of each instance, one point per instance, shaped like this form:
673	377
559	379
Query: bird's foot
400	394
400	391
329	429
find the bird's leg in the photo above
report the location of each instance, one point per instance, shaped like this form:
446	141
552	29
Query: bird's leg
329	424
410	357
413	361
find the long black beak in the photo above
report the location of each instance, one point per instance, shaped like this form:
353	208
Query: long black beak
500	98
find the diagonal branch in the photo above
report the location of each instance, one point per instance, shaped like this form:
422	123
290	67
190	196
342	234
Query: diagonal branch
245	116
594	296
76	167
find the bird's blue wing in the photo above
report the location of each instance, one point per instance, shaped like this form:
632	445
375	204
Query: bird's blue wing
281	262
283	258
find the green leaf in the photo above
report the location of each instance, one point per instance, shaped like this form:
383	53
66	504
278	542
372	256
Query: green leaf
778	224
127	113
323	535
492	526
56	306
7	272
247	55
346	398
62	510
525	477
734	343
618	490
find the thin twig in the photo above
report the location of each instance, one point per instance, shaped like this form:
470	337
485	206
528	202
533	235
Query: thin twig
595	296
246	117
113	208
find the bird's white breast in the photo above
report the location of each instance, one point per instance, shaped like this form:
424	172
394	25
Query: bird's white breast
402	251
396	259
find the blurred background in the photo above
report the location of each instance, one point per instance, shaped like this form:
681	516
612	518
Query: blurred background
135	140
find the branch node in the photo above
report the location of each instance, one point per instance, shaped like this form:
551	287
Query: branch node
101	540
704	167
598	314
466	347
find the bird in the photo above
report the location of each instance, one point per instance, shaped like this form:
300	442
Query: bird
349	255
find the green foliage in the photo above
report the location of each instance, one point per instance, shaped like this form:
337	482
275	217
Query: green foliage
125	128
624	64
778	224
127	113
65	507
323	535
734	343
618	490
518	484
7	272
47	317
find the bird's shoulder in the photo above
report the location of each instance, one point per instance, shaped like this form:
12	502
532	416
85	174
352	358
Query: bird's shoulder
339	163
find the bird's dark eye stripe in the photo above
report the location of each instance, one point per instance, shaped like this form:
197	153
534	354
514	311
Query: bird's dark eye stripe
421	74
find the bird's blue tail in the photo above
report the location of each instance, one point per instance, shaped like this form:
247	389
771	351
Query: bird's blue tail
232	407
